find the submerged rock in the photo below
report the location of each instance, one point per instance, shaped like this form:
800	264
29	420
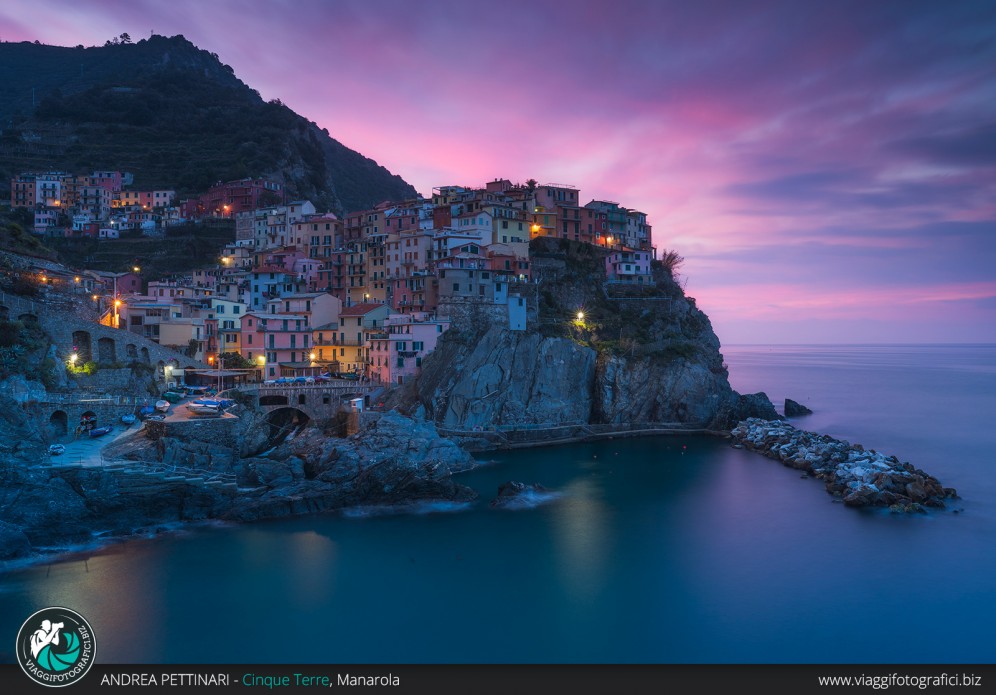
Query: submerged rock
516	495
794	409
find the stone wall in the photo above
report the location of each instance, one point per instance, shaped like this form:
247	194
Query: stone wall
61	325
221	431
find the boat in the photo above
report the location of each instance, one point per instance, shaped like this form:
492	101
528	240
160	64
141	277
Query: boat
101	431
173	396
162	406
56	450
204	408
128	419
145	411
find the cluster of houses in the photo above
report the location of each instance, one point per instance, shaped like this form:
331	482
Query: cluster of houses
302	292
103	204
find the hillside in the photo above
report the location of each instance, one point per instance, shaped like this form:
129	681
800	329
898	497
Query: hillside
176	117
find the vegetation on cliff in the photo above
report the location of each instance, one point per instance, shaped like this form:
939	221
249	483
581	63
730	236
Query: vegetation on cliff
176	117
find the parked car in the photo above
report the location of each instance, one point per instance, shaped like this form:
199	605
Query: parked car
56	450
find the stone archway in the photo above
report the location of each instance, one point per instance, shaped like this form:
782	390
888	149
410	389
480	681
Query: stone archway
58	424
132	352
88	421
81	343
284	421
106	351
144	352
28	319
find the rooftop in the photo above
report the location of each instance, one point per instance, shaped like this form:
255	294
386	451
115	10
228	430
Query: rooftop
360	309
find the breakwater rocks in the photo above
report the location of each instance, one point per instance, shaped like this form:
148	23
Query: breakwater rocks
861	478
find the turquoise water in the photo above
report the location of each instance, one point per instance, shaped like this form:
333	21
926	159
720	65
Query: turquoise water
657	550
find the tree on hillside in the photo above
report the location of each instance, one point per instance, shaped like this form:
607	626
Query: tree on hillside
672	261
125	38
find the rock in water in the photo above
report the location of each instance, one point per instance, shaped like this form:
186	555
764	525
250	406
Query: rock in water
793	409
516	495
857	477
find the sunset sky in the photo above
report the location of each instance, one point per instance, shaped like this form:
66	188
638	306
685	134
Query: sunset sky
828	169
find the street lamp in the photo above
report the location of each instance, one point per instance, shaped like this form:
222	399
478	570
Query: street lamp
72	359
580	316
262	367
117	318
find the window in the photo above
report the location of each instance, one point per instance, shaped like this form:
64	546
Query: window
401	362
249	339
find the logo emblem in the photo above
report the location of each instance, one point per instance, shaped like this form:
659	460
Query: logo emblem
55	647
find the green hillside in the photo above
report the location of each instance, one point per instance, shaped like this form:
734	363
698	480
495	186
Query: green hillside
176	117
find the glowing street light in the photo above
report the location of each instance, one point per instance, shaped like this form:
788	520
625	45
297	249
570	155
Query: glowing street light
136	269
580	316
312	356
73	357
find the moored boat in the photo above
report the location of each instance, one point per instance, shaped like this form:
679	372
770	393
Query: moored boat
204	408
101	431
162	406
128	419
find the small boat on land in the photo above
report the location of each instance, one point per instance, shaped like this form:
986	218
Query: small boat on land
162	406
145	411
128	419
204	408
101	431
173	396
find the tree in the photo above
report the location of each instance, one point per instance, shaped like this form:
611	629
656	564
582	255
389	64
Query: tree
531	185
125	38
233	360
672	261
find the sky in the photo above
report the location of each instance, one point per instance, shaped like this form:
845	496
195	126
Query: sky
826	168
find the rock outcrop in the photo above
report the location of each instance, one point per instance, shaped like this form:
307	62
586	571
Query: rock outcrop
858	477
638	355
793	409
393	461
516	495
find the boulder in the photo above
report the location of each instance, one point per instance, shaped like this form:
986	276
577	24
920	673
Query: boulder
794	409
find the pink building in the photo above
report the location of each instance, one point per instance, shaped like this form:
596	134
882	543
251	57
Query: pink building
396	354
628	266
110	180
283	341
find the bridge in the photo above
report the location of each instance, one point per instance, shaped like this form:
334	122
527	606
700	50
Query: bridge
318	401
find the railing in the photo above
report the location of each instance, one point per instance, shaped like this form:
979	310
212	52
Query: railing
351	384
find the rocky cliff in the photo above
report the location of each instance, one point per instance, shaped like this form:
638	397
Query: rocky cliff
643	354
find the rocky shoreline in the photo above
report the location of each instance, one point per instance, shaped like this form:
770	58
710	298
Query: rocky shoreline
162	482
852	474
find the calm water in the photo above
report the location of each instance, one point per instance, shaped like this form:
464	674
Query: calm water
660	550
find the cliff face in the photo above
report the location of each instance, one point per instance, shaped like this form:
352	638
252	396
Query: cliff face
638	355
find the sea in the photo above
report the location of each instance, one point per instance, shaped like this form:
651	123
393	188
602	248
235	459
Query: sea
656	550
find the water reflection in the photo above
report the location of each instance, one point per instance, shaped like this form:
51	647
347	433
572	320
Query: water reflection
581	540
